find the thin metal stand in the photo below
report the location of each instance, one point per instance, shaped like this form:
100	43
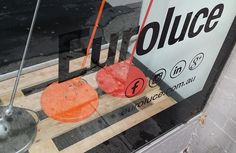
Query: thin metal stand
18	127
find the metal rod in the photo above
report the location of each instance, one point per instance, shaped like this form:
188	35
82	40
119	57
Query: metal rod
9	110
140	30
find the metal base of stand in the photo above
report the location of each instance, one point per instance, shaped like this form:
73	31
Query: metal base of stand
17	132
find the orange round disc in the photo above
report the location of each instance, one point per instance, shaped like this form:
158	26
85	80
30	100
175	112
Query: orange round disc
122	80
69	101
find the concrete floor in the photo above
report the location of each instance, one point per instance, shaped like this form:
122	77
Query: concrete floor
218	135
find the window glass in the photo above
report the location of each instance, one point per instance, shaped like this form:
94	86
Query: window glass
110	76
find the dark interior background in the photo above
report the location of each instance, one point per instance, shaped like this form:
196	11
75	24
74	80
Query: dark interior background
55	17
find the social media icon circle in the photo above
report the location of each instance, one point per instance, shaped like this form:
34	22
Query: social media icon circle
134	88
196	61
178	69
158	76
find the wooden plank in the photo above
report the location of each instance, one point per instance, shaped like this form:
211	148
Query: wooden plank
118	127
49	128
43	75
46	146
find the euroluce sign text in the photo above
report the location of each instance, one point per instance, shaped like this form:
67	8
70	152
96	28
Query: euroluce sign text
180	42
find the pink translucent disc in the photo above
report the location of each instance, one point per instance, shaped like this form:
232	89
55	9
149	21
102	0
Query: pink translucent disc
121	80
